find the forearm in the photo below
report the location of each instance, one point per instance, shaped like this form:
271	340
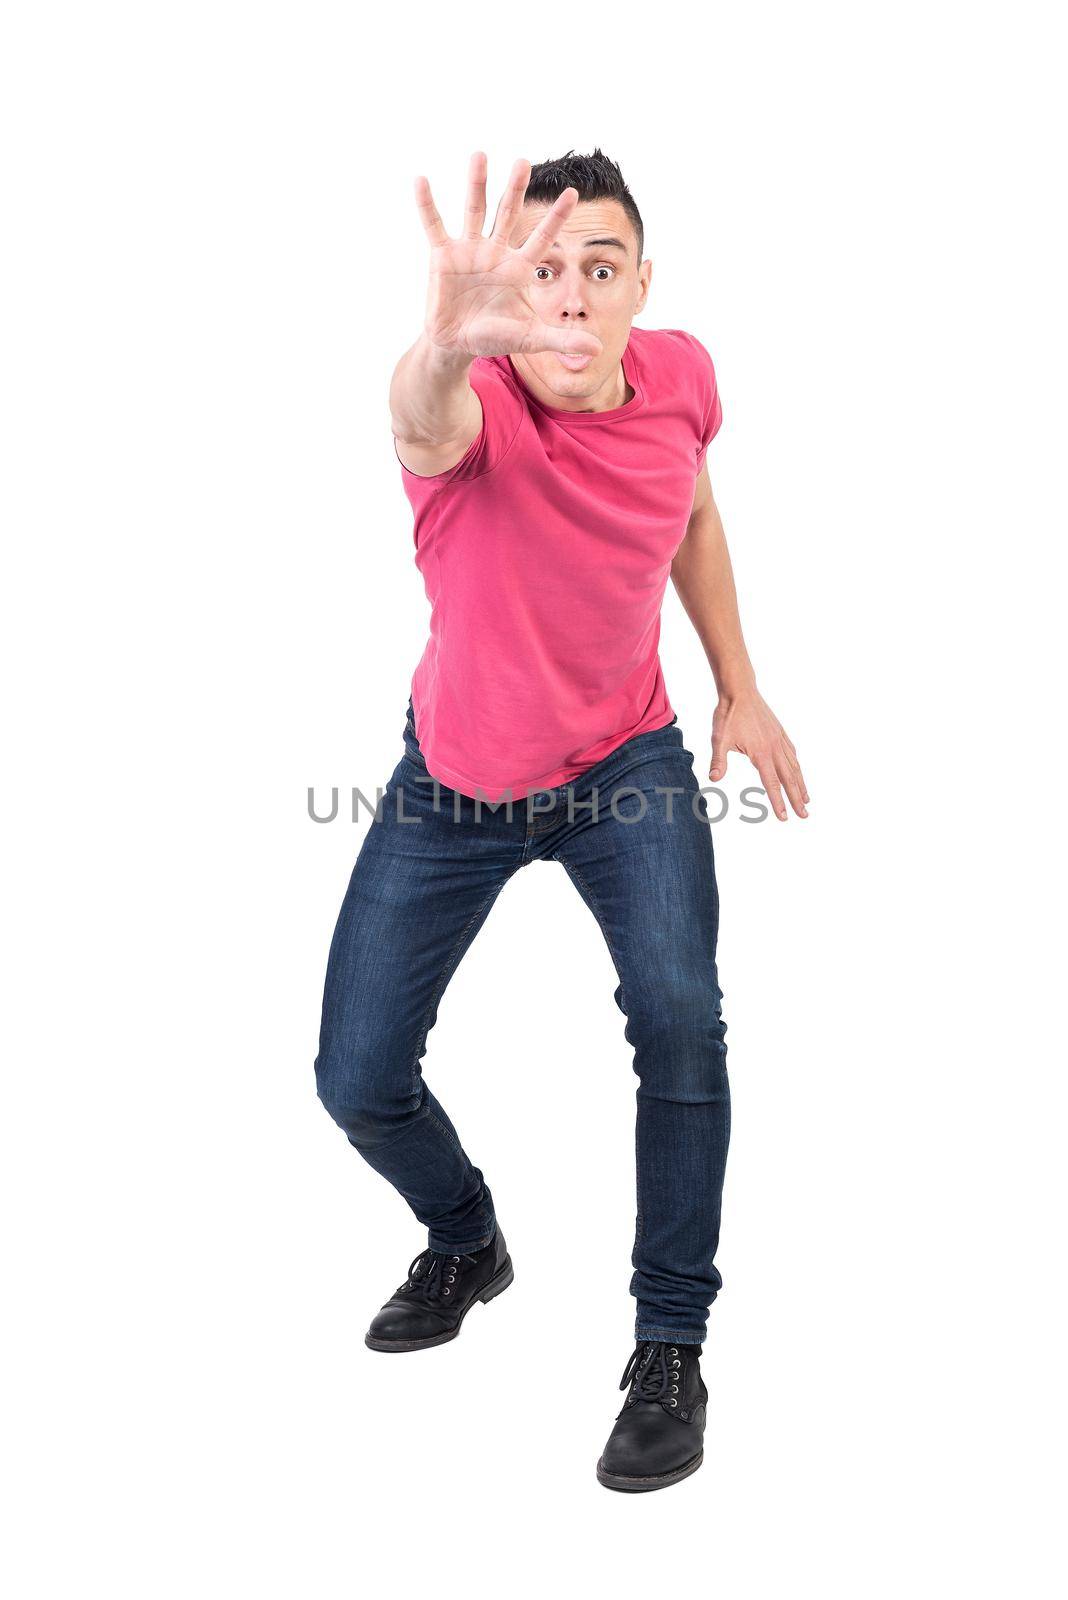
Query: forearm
704	581
431	400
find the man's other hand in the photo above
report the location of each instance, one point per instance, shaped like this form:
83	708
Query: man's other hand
746	723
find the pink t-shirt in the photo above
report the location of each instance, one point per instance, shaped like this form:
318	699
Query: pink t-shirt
545	553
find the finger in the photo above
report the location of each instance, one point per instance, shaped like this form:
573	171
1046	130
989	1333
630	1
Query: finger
428	211
770	779
475	210
795	768
790	783
570	339
718	769
545	232
511	201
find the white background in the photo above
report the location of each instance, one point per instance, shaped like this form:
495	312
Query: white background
212	261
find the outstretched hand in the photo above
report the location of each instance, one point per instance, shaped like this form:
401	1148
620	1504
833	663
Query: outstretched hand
478	302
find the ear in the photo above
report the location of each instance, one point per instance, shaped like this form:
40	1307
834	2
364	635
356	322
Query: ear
645	278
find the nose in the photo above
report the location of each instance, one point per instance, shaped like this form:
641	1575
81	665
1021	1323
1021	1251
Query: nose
572	303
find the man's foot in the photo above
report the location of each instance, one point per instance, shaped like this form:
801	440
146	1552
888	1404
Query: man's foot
658	1437
440	1290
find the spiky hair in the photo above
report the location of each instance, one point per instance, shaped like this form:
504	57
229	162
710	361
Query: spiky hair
594	176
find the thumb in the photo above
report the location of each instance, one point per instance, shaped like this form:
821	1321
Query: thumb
718	769
569	341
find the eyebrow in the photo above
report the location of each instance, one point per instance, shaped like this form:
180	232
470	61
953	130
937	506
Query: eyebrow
592	244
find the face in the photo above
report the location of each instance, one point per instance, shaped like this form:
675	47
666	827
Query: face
590	277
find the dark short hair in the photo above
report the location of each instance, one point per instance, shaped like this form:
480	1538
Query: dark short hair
594	176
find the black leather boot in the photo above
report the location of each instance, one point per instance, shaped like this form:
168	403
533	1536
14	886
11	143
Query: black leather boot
440	1290
659	1435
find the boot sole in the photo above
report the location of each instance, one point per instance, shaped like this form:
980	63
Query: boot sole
495	1287
615	1480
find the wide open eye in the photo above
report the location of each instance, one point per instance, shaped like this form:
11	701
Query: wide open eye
538	274
604	274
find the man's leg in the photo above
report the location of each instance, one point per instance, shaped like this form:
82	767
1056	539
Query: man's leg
649	879
645	869
419	893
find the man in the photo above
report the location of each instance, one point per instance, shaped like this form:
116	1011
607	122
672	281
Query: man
554	457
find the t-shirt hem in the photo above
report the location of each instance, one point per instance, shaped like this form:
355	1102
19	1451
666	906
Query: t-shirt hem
556	779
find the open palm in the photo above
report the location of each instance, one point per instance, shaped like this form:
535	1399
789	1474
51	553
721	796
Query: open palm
478	301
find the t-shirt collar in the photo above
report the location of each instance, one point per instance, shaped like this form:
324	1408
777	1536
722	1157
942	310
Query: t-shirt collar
585	418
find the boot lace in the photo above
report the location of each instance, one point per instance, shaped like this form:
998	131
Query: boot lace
432	1274
654	1370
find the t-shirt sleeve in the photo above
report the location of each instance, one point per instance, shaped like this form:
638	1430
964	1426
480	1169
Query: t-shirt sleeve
502	412
711	410
700	376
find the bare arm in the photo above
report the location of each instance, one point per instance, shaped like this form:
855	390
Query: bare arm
704	581
436	413
478	304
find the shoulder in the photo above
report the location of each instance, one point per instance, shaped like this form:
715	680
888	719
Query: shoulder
673	350
492	378
677	365
501	396
503	410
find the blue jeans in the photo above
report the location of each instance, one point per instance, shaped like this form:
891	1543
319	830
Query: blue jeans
431	865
